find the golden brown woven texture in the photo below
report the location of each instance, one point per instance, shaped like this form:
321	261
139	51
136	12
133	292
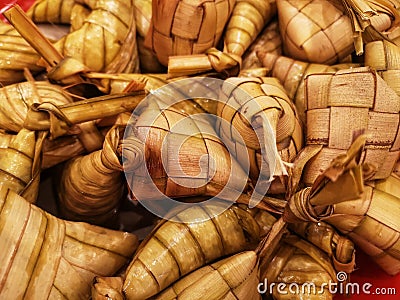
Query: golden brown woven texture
322	235
246	22
292	73
349	101
105	42
371	18
183	27
269	40
15	55
315	31
178	248
120	83
44	257
368	214
16	99
320	31
298	261
51	11
236	276
148	61
384	57
20	164
169	150
54	151
62	119
91	186
262	104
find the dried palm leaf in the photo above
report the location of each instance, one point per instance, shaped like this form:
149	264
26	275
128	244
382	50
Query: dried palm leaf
183	28
190	239
105	288
60	119
119	83
114	22
51	11
384	57
110	27
322	31
61	149
91	186
292	73
251	73
20	164
367	215
148	61
174	151
248	19
269	40
246	22
302	270
59	259
79	13
16	99
16	55
348	101
339	248
259	110
233	277
371	17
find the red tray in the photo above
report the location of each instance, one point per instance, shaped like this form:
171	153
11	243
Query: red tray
367	273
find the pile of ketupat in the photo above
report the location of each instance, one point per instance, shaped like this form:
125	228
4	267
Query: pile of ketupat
210	149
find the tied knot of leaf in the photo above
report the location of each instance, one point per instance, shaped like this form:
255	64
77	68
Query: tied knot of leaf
132	154
224	62
66	69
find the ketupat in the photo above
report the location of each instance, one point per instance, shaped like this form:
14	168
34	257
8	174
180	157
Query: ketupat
269	40
247	20
169	152
51	11
91	186
367	215
340	249
267	123
59	258
15	56
234	277
148	61
20	164
117	35
61	119
325	32
292	74
184	28
346	102
300	270
383	56
193	237
16	100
